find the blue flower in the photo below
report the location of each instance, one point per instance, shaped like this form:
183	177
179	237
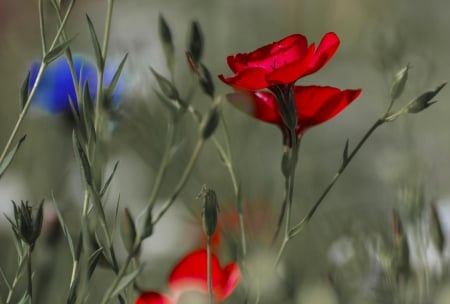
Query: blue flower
56	85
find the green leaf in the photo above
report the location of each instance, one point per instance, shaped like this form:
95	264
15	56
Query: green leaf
93	261
345	153
195	42
95	44
57	51
125	281
166	86
128	231
5	279
24	91
82	159
108	181
115	79
65	229
10	156
171	105
166	39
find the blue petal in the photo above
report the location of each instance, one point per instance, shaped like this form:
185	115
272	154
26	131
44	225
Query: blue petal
56	85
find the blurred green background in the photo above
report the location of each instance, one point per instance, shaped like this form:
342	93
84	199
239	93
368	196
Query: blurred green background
377	39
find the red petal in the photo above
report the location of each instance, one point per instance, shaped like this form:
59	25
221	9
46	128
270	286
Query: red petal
317	104
151	297
232	276
260	105
290	49
249	79
327	47
191	274
292	72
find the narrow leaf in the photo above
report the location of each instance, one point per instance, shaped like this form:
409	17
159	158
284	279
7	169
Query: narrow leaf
125	281
95	44
345	153
65	229
24	91
93	261
115	79
108	181
10	156
166	86
81	157
58	50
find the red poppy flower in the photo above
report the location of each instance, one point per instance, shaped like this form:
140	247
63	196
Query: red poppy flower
282	62
315	104
190	275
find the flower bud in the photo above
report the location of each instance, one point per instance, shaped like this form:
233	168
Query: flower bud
423	101
209	122
196	42
27	225
210	210
398	83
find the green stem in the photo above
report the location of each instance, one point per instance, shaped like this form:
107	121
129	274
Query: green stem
42	27
29	274
290	179
117	279
208	267
229	164
297	228
163	165
184	178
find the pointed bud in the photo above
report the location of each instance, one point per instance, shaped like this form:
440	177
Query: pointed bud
166	38
209	123
206	81
195	46
210	210
27	224
398	83
423	101
437	234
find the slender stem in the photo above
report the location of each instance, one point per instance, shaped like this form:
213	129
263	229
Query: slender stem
208	267
292	152
336	177
29	273
23	112
117	279
184	178
107	28
163	165
232	172
42	27
14	283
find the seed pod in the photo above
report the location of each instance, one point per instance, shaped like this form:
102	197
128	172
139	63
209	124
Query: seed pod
210	211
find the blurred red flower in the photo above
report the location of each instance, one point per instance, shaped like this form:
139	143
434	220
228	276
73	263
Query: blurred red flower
190	275
277	67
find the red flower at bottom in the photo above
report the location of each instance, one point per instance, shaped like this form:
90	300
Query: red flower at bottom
190	275
315	105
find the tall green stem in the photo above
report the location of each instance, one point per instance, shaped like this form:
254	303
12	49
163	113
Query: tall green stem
184	178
